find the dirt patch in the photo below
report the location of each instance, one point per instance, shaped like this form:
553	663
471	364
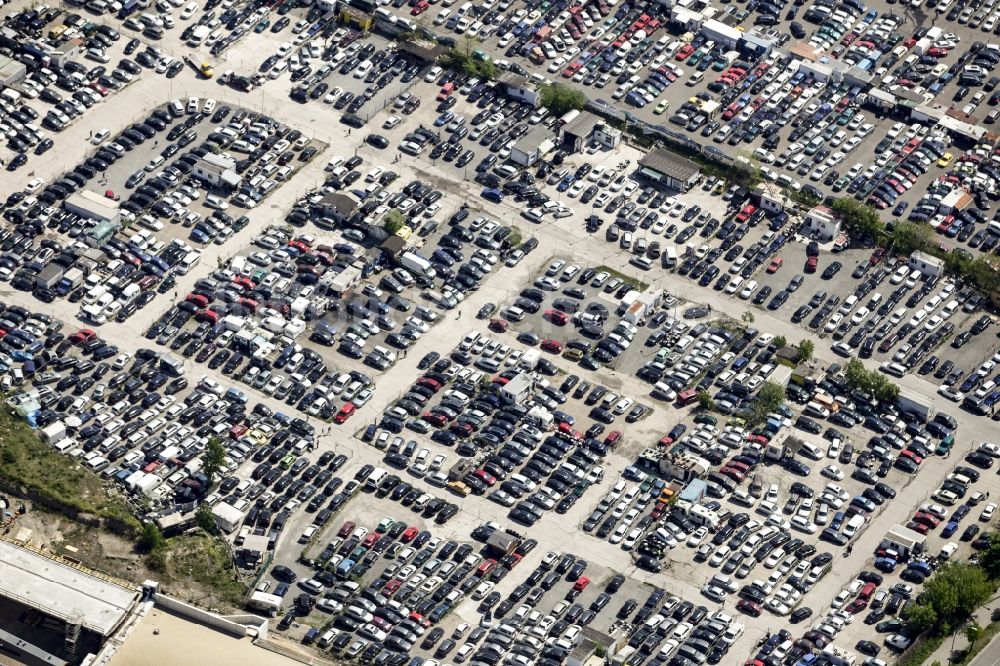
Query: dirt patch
194	568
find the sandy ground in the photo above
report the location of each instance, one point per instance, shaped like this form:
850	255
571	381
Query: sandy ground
168	640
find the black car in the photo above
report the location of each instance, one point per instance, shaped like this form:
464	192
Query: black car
377	140
832	270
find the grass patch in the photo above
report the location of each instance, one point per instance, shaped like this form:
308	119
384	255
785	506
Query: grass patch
637	284
203	560
989	631
31	468
920	651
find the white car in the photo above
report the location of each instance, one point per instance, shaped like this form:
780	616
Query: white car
833	472
988	511
99	136
697	536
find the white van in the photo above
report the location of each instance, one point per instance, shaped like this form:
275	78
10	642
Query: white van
375	478
442	16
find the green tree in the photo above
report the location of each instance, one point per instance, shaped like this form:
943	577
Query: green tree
705	400
908	237
922	618
467	62
212	461
559	99
394	220
514	238
779	342
883	388
150	539
989	559
770	396
806	349
985	276
973	632
206	519
856	374
952	594
860	219
748	318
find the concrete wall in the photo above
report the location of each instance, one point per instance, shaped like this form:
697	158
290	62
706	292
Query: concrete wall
202	616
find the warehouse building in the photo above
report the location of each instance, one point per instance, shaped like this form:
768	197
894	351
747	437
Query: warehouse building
669	169
93	206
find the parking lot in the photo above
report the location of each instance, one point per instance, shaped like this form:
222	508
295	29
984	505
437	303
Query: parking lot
477	410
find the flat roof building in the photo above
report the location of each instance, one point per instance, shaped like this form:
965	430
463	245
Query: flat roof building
532	146
89	606
93	206
669	169
217	171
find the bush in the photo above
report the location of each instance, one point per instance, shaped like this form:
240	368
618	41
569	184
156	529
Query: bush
394	220
560	99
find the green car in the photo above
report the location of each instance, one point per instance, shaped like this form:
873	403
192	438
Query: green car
262	26
889	626
384	525
706	418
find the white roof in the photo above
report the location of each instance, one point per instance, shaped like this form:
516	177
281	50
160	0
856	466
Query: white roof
63	591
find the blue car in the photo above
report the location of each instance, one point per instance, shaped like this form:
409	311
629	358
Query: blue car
885	564
492	194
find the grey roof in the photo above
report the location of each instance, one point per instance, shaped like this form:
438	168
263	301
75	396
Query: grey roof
343	204
512	79
583	124
63	591
534	139
669	164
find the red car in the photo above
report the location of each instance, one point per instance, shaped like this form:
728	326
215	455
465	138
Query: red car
581	583
775	264
346	529
198	299
487	478
553	346
434	418
409	534
499	325
684	52
857	606
83	336
557	317
748	607
811	264
346	412
419	8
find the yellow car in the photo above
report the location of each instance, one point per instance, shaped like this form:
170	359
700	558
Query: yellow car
661	107
945	160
